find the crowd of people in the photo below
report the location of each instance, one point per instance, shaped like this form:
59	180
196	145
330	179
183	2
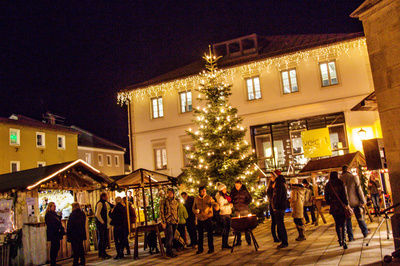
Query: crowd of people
343	193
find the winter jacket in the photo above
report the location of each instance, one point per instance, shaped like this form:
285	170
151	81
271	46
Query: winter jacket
374	186
118	217
182	214
55	231
355	194
189	205
270	190
336	208
169	210
205	205
308	196
224	205
241	199
76	227
279	195
297	194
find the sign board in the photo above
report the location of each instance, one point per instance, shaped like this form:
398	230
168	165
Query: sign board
316	143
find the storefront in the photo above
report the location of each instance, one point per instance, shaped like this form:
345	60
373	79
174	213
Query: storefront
279	145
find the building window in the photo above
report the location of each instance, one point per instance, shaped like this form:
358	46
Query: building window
337	135
160	158
40	139
100	159
41	164
157	107
109	162
328	73
289	81
116	160
61	142
186	101
186	149
253	88
14	136
88	158
14	166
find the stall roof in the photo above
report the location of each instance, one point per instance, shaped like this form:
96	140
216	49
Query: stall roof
134	179
81	175
334	163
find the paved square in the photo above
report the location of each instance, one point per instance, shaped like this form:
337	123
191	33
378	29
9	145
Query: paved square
320	248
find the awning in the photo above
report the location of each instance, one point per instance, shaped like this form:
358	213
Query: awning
367	104
334	163
66	176
143	178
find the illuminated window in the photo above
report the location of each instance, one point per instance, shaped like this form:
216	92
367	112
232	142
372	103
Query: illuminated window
100	159
253	88
61	142
14	166
289	81
88	158
337	135
40	139
160	158
14	136
116	160
157	107
186	101
328	73
41	164
109	162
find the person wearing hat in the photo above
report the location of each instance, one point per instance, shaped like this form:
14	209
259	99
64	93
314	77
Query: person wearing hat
225	211
169	218
297	194
241	199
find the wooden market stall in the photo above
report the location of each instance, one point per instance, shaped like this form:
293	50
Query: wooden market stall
145	183
63	183
319	170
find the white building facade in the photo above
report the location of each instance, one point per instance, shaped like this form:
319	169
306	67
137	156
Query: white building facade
281	85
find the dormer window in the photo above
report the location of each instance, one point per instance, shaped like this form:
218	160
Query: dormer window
237	47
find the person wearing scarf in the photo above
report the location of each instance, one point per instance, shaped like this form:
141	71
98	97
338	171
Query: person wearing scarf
225	211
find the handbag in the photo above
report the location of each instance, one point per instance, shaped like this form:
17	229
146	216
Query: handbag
348	211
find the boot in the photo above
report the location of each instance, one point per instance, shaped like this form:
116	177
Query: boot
301	230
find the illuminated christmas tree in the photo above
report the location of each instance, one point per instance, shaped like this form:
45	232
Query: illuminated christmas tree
219	153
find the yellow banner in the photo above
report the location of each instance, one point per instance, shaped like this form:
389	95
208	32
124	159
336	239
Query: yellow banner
316	143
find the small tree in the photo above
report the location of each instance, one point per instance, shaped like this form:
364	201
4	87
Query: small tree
220	153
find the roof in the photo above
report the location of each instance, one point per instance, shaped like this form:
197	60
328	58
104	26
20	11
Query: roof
270	46
87	139
367	104
22	180
21	120
143	177
334	163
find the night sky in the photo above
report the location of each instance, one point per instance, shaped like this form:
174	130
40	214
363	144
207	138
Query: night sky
72	57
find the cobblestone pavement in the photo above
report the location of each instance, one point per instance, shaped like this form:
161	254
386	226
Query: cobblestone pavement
320	248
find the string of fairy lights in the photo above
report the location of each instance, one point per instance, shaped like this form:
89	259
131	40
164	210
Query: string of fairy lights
280	62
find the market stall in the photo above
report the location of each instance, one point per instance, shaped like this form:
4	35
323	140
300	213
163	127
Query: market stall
318	170
31	190
147	187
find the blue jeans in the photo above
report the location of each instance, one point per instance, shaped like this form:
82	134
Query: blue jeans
375	202
169	237
360	221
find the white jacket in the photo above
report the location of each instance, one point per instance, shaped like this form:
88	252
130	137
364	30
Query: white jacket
224	205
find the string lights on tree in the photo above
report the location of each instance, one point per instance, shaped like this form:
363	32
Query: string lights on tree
220	153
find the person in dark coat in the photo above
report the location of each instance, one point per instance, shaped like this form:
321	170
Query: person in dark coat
279	204
271	210
191	220
120	222
103	208
76	233
132	220
55	231
241	199
335	195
